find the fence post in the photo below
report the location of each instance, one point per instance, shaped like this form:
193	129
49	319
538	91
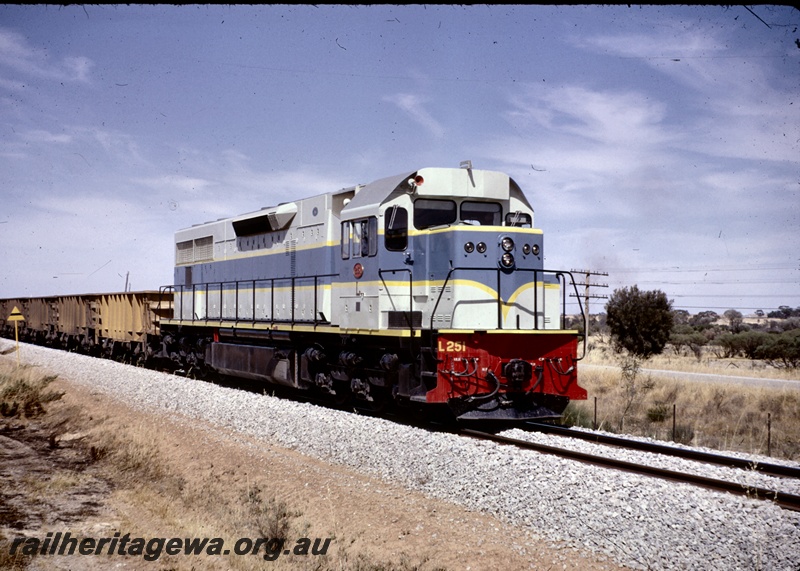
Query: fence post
594	424
769	434
673	421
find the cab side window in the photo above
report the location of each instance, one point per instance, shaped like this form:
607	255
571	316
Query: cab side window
345	240
360	238
395	230
518	219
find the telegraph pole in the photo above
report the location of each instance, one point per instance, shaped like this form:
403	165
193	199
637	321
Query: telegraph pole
586	295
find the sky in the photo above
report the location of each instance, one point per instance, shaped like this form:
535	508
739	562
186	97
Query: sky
659	145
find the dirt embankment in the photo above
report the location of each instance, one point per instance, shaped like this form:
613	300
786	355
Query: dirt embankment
96	468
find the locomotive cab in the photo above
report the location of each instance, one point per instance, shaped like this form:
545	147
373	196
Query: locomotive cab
451	255
461	227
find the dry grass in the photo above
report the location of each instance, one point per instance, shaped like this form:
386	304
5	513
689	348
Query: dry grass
23	392
168	497
722	416
601	354
213	506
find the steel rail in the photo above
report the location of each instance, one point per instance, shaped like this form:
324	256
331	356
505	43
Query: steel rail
665	450
784	500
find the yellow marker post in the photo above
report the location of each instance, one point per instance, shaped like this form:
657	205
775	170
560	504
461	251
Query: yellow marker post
16	316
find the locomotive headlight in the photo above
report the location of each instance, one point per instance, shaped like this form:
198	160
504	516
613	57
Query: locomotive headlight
507	244
536	249
469	247
481	247
507	260
526	249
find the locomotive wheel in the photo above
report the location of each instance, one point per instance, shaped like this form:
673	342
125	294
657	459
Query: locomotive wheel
342	397
199	371
378	405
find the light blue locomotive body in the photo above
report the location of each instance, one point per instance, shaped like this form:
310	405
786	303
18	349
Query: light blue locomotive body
425	287
411	241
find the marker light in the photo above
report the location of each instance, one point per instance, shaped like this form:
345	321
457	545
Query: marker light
536	249
526	249
469	247
481	247
507	244
358	271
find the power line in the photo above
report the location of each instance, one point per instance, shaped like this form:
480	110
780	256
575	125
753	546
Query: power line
786	298
678	270
720	282
709	307
740	296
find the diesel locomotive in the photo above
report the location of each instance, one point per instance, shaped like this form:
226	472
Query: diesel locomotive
426	289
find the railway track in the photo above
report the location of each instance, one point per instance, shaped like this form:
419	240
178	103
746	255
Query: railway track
782	499
665	450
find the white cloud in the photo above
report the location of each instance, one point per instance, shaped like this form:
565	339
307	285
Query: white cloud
11	85
596	151
617	186
68	240
42	136
616	118
17	54
178	184
78	68
728	91
412	104
671	40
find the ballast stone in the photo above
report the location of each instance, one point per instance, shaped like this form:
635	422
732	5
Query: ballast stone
641	522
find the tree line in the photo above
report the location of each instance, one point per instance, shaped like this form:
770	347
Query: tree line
643	323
